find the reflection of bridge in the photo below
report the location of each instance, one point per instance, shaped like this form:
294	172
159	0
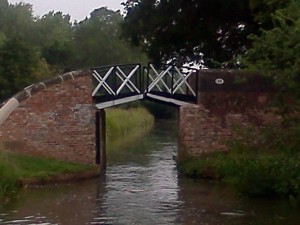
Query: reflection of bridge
119	84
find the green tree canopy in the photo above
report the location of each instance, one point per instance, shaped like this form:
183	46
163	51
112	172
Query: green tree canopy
54	37
263	9
214	31
276	52
16	20
20	65
97	41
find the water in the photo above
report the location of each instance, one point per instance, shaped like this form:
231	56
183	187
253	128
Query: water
142	187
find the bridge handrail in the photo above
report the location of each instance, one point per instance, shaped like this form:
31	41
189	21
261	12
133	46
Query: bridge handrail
115	65
116	81
170	80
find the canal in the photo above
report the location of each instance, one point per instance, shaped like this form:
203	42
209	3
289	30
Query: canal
142	187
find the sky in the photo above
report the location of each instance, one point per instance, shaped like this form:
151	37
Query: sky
78	9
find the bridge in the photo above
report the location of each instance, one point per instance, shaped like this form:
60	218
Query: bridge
64	117
120	84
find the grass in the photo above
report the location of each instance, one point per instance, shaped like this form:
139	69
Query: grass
14	167
124	126
251	174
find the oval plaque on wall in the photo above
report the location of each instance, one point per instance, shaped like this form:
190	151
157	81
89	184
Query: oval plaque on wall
219	81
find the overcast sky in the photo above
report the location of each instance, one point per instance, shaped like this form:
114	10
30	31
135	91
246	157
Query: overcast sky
78	9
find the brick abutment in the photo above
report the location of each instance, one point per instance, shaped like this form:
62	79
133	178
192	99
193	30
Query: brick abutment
56	121
224	111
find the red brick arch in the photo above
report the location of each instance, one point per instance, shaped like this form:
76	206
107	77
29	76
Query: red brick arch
55	119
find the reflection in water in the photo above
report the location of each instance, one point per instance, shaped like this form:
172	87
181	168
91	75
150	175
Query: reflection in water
142	187
63	204
136	194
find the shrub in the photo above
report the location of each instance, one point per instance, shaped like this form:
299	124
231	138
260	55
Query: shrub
269	167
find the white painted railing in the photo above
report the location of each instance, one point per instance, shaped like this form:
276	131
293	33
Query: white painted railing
172	80
117	80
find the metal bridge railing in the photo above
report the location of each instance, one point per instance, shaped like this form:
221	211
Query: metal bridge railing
126	82
115	82
172	81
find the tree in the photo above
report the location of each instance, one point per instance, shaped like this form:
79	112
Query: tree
214	31
16	19
20	66
263	9
53	36
276	53
97	41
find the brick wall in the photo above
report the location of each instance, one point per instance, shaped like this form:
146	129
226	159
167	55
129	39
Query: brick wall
241	101
57	122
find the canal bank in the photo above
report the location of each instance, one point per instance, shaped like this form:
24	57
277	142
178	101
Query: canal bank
257	162
23	170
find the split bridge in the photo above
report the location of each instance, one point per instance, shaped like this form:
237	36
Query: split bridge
57	117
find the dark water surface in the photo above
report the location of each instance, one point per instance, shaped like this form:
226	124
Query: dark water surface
142	187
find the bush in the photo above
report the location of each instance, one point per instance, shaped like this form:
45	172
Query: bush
269	167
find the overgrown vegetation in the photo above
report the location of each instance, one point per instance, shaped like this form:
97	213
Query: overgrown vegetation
268	166
253	174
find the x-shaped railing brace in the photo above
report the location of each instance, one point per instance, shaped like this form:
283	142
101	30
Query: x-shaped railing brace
159	78
183	79
177	85
126	80
102	82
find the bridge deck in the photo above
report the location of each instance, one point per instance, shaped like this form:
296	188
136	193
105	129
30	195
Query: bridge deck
103	105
